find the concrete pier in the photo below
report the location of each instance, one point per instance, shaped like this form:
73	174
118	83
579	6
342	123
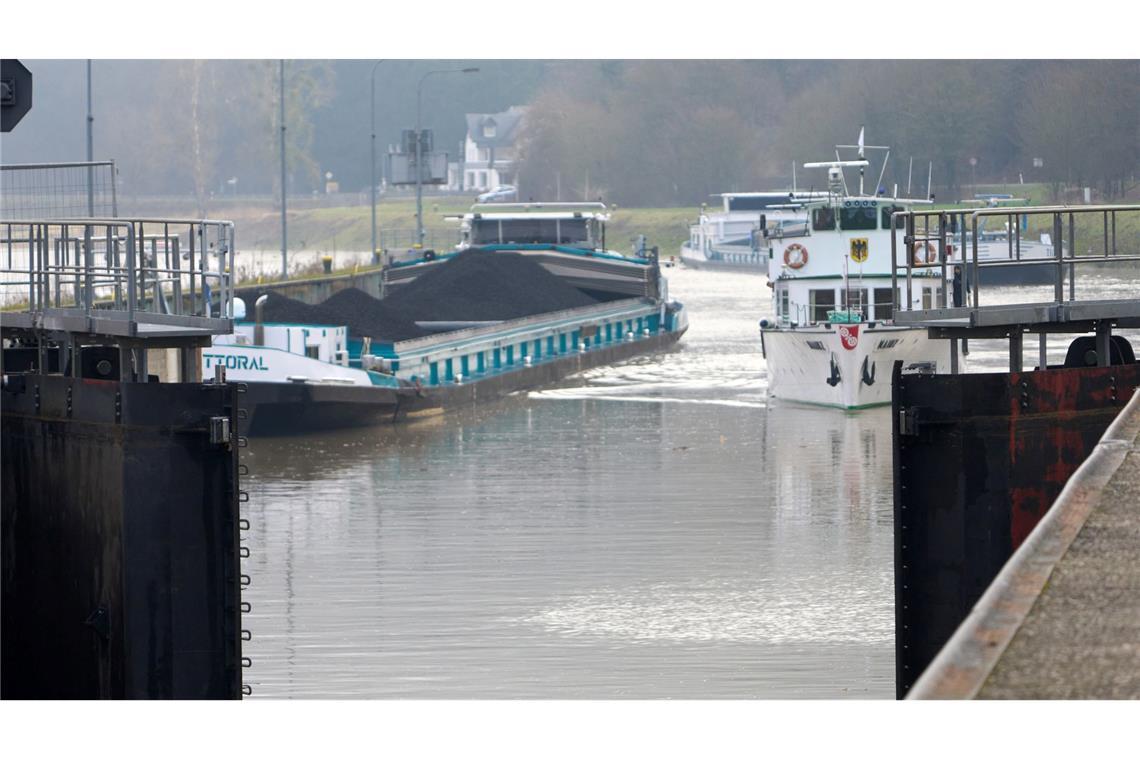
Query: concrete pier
1062	618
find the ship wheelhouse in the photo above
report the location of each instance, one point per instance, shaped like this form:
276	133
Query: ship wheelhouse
841	269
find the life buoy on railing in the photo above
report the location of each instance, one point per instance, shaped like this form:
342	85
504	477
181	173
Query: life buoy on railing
795	256
925	255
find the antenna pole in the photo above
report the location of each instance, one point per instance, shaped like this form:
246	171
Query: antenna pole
929	177
883	171
842	174
793	177
846	289
909	172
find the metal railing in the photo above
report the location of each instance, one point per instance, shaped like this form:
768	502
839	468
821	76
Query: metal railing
113	275
438	239
59	190
937	240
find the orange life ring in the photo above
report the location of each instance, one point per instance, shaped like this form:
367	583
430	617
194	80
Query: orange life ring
930	256
795	256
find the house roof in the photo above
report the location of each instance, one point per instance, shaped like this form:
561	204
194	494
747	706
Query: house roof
507	125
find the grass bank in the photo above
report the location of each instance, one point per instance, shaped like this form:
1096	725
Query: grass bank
329	229
348	228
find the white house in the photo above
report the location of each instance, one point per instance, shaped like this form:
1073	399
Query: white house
490	150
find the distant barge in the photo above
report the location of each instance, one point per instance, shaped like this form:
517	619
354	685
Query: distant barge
475	338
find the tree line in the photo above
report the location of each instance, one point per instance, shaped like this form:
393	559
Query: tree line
661	133
649	133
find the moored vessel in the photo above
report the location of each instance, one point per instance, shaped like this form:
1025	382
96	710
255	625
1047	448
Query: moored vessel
734	237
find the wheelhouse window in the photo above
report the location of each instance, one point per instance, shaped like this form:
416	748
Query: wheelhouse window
887	211
783	303
823	219
884	304
530	231
821	302
856	298
931	297
858	218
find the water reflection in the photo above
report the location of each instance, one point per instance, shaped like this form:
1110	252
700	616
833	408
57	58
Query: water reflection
647	530
654	529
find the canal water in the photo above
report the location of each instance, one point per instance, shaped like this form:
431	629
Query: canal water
648	530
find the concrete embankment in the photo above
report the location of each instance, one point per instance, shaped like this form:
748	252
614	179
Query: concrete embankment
1062	619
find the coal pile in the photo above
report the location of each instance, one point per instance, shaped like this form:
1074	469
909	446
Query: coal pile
370	316
477	287
279	308
364	315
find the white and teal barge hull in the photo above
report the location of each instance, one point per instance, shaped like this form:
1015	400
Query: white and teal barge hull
359	382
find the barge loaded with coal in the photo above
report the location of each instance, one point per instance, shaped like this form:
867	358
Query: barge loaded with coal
541	301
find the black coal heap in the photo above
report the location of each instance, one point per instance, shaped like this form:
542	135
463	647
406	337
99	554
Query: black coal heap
478	286
473	286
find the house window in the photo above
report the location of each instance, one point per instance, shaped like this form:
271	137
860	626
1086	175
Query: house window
470	179
489	128
483	180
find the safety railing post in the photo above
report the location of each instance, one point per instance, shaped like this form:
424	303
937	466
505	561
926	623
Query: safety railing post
1072	257
1058	254
942	217
131	267
977	272
908	246
88	270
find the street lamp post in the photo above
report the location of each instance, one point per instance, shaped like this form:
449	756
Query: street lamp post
284	227
90	147
419	148
373	188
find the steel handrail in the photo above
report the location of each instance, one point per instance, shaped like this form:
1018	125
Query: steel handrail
1063	251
